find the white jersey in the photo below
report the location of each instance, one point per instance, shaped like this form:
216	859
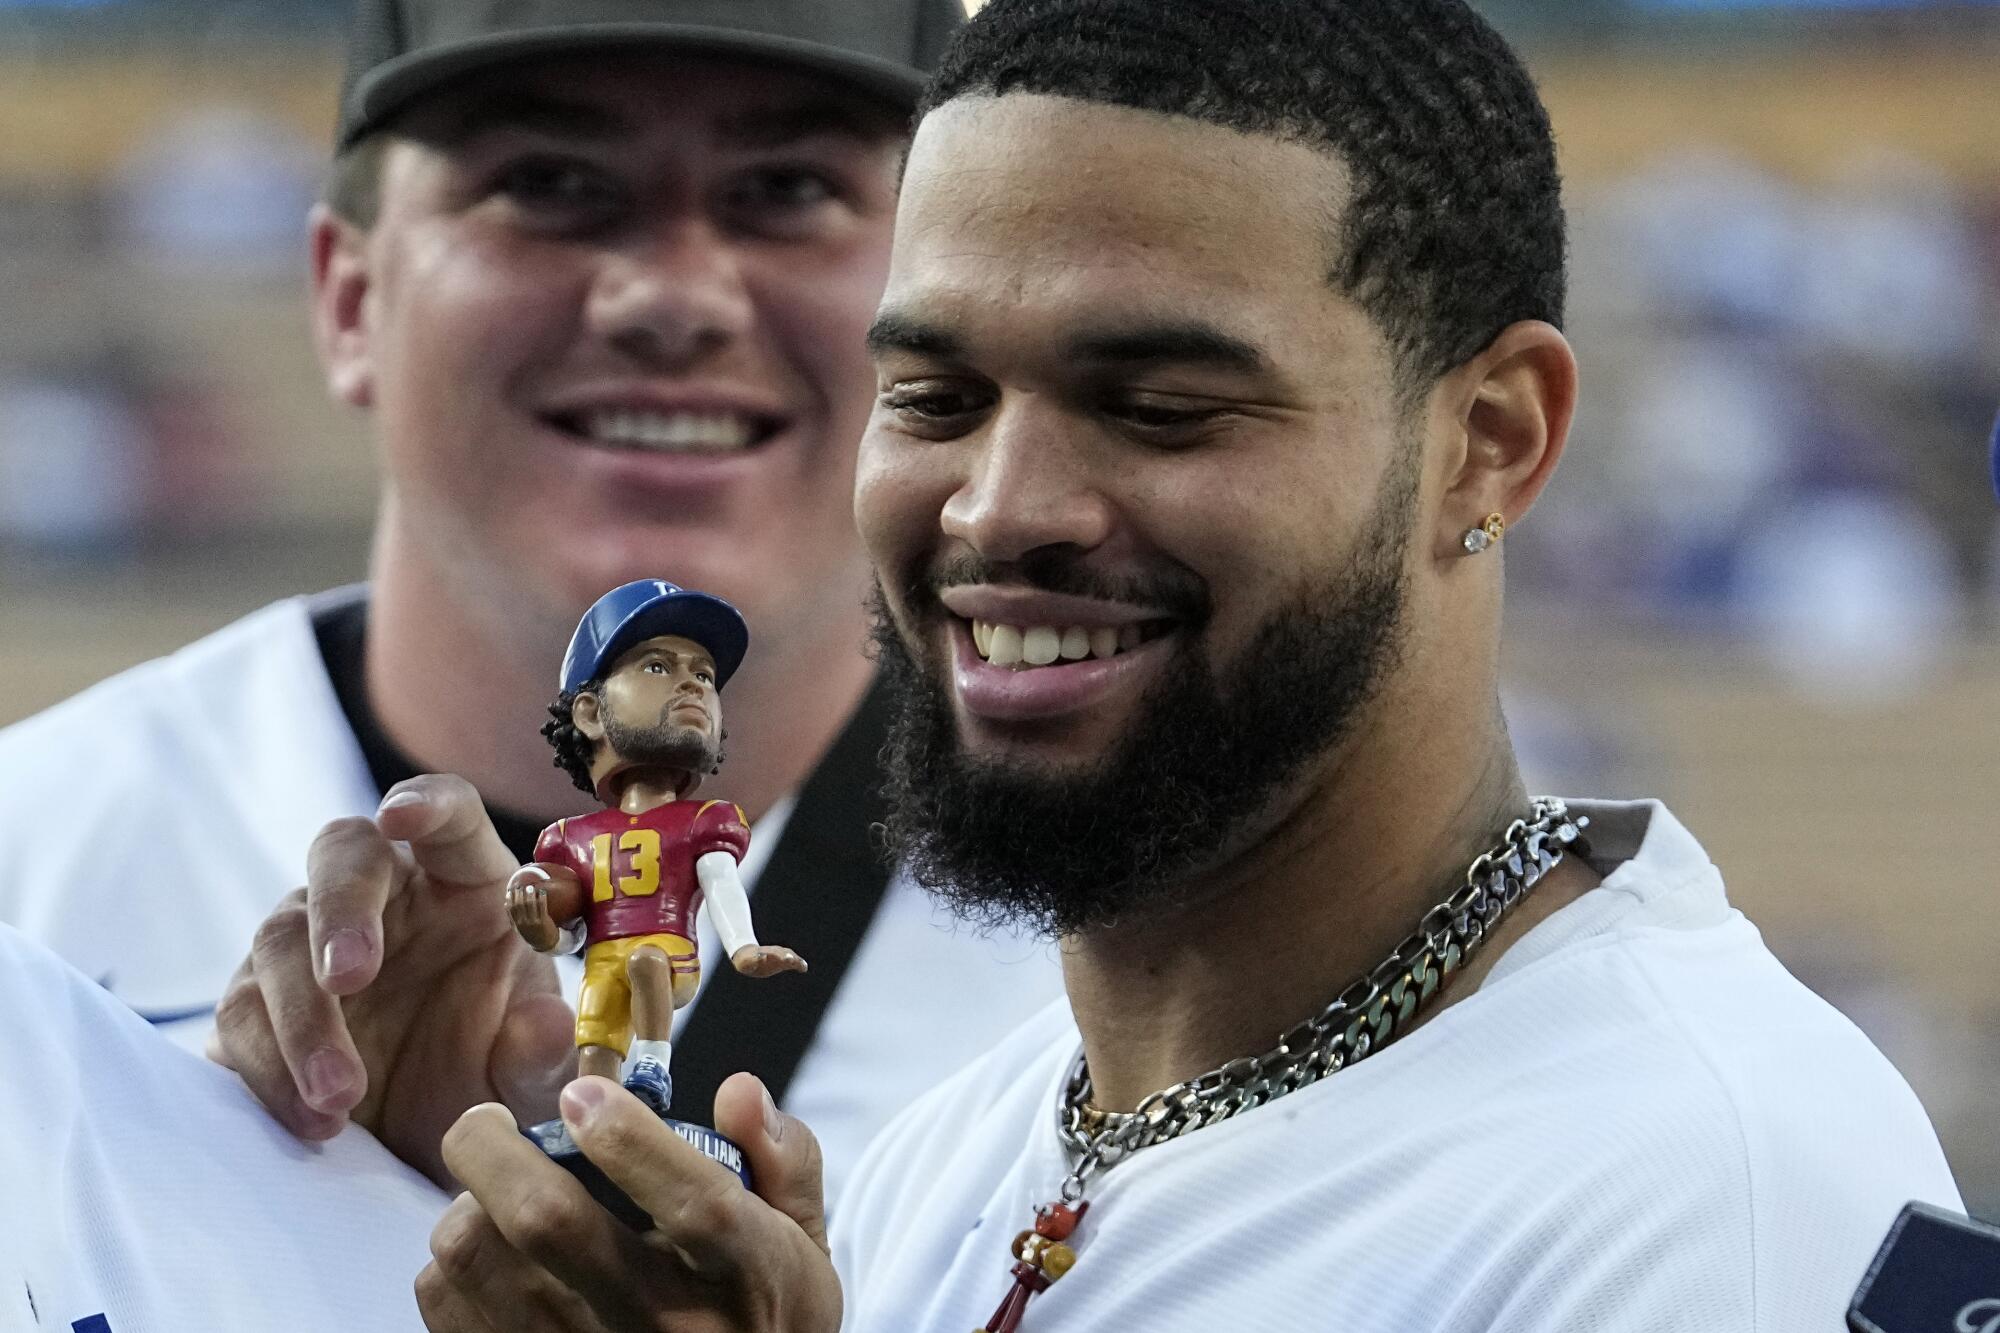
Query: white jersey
1640	1121
143	1190
153	821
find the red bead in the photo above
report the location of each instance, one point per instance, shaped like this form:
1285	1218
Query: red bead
1057	1220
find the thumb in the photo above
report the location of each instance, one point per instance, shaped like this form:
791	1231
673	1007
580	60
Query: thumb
534	1056
784	1157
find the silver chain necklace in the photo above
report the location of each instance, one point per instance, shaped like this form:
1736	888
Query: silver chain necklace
1365	1017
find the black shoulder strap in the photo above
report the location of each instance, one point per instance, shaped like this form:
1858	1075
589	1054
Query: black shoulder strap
817	894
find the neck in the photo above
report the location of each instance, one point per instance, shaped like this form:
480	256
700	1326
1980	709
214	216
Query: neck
463	687
1278	931
646	790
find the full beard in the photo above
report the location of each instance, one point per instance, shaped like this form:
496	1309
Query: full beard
1026	844
662	744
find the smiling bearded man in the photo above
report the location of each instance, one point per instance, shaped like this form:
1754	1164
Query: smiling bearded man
1222	336
1219	349
1209	745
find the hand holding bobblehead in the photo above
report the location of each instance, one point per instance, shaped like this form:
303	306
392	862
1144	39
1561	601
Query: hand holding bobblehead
638	724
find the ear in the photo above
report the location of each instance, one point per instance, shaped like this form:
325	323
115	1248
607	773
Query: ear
1511	405
587	714
340	307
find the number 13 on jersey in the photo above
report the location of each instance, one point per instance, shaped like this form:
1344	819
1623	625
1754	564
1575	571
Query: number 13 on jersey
639	850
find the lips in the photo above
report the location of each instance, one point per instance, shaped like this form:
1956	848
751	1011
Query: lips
1021	653
1064	688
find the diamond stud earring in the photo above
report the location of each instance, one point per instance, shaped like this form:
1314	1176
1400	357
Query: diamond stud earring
1479	538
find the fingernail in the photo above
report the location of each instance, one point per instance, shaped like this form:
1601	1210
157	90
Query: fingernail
401	800
344	951
326	1076
581	1100
774	1124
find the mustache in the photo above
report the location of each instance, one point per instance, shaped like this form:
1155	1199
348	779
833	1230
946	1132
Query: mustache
1175	590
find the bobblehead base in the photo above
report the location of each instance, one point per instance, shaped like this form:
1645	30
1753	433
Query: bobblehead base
553	1138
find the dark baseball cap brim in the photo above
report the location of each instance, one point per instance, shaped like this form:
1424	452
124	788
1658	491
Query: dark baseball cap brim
389	87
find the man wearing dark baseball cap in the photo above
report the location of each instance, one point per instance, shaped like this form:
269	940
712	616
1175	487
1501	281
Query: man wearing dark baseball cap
402	49
597	273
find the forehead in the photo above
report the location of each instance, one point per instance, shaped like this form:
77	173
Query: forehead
632	95
1031	207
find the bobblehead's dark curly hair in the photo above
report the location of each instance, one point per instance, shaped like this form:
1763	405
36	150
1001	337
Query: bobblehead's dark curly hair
1454	228
574	749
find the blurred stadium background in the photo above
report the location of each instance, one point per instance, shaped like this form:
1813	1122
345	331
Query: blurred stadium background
1766	585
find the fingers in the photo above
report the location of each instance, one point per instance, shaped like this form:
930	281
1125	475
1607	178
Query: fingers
719	1256
444	1307
478	1283
244	1041
760	1257
766	961
528	908
449	832
528	897
699	1208
304	1020
351	871
521	1206
783	1154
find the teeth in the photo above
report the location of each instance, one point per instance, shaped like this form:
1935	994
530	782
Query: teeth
1003	646
1041	645
670	431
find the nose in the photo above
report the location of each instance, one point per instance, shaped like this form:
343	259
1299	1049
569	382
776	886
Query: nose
1031	484
676	295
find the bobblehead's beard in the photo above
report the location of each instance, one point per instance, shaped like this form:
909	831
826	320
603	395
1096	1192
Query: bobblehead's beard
1007	842
662	744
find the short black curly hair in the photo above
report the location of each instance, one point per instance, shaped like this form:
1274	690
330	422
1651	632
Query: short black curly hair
574	749
1454	229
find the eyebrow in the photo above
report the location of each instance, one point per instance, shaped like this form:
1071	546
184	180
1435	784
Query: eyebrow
1189	343
894	331
783	125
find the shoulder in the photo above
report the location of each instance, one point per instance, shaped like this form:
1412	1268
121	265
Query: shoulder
1829	1138
721	824
718	814
189	753
1706	1125
554	840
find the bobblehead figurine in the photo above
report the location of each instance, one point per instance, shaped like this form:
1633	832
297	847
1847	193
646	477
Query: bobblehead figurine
639	724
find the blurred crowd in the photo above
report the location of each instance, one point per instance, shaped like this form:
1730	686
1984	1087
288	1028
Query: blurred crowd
1788	389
